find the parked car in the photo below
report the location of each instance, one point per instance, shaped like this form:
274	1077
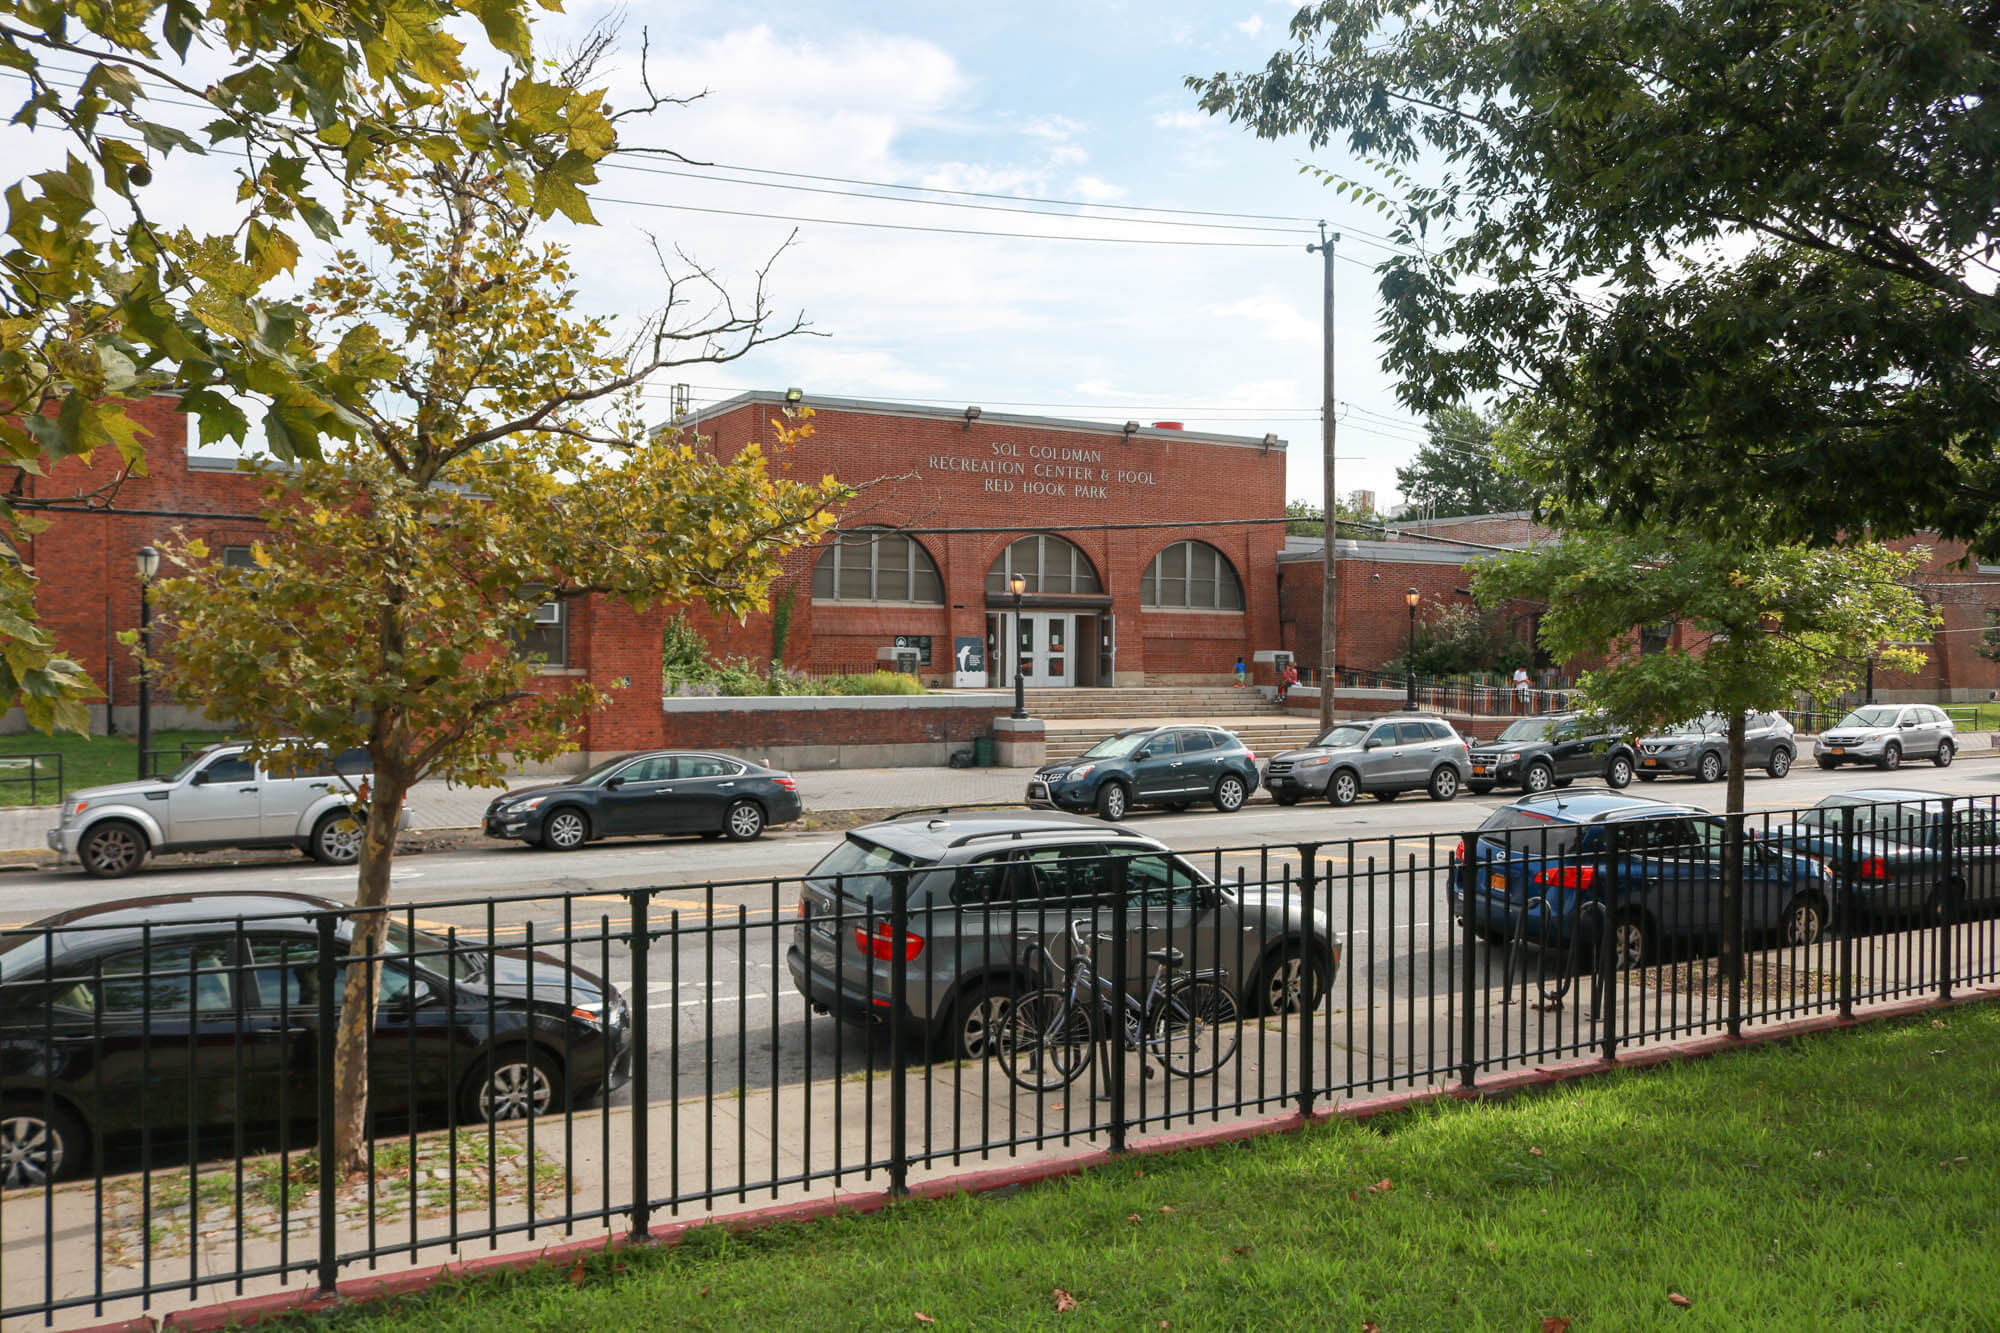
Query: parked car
1700	749
1385	758
1173	766
983	887
223	797
1898	862
1886	734
1540	860
1554	750
152	1016
660	791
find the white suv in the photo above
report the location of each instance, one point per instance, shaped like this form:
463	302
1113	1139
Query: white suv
223	797
1886	734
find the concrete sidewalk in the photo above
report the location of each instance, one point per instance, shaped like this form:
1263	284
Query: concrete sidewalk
442	805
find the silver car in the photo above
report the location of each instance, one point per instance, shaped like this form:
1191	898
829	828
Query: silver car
1886	734
1410	752
1700	749
982	887
223	797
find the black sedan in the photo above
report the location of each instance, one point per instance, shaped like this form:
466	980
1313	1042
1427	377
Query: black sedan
152	1019
660	791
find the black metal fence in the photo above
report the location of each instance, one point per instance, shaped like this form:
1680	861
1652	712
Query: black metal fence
599	1061
39	773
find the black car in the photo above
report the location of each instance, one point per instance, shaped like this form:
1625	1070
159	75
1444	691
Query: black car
1174	766
1554	750
152	1018
660	791
1897	864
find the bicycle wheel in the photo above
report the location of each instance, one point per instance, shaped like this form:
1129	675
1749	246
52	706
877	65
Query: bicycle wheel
1045	1042
1195	1031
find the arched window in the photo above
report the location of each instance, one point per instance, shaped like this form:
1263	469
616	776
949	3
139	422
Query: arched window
1194	575
1049	564
877	565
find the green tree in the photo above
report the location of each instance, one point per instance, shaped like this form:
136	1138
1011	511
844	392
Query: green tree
1456	472
101	302
1769	622
1751	244
501	463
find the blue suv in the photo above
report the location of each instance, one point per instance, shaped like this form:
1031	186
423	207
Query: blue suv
1538	861
1173	766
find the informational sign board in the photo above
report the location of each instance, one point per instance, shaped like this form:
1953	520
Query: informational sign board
968	662
920	642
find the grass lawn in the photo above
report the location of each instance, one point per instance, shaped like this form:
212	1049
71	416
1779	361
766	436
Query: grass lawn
1846	1181
87	761
1974	717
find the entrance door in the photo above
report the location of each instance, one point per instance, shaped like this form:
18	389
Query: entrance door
1045	649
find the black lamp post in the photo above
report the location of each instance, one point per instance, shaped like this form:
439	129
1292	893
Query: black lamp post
149	565
1410	663
1018	584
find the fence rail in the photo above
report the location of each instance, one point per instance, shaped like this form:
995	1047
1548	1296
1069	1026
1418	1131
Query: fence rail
31	771
591	1062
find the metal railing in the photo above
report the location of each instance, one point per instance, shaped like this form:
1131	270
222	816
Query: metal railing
652	1055
30	771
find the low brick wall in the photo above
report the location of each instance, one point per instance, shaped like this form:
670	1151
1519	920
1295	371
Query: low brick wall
837	731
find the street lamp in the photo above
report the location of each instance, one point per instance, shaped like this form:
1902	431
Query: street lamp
1410	675
1017	584
149	565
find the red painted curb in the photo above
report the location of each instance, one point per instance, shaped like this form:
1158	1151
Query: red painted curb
254	1309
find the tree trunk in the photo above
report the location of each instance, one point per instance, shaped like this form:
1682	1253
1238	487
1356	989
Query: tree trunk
357	1006
1732	858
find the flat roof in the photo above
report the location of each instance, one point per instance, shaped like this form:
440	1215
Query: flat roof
1433	552
956	415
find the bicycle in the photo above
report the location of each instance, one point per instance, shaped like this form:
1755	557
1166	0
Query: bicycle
1188	1022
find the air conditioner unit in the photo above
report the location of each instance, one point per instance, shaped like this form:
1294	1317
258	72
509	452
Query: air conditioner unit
549	613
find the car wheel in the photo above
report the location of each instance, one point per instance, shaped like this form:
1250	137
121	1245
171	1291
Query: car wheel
1647	777
1113	801
744	822
1631	939
1385	796
1826	761
508	1084
1618	772
1710	768
1538	778
112	849
1286	984
1781	762
1230	793
1343	787
1479	788
1892	756
1805	920
1943	756
336	839
39	1143
978	1019
566	829
1444	783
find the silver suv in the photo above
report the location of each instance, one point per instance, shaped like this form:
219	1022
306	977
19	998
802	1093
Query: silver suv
1407	753
1886	734
1700	748
223	797
983	888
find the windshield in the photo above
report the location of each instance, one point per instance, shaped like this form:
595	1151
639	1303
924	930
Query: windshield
604	770
181	773
1117	747
1706	724
433	951
1526	729
1872	717
862	863
1827	813
1343	737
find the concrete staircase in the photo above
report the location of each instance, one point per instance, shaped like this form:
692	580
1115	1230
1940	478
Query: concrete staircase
1077	719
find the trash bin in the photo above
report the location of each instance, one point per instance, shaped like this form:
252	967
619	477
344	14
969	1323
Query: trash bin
982	752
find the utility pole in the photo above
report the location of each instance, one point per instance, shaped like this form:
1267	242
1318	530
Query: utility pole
1328	599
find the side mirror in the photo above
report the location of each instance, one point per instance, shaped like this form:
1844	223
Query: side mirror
1371	745
1143	754
200	779
614	784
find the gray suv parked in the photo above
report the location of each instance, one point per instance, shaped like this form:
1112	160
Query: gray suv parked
1700	748
223	797
1385	759
983	888
1886	734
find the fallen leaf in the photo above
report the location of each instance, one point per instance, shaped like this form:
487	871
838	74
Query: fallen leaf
1241	1249
1166	1323
1555	1323
704	1291
1131	1217
1678	1299
1351	1195
1064	1301
1137	1173
1380	1187
1166	1208
1534	1152
923	1318
1370	1326
576	1274
1493	1247
1055	1106
1227	1260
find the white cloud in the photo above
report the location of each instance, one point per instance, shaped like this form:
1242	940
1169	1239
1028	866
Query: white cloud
1251	26
1275	317
1059	129
1096	190
1181	120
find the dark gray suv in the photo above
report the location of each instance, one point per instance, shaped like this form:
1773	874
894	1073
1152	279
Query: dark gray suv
1173	766
984	887
1384	759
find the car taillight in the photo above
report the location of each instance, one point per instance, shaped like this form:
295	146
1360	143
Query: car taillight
1252	753
1874	868
1568	877
788	783
802	909
1460	853
882	944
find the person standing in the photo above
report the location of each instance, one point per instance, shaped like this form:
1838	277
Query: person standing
1524	693
1239	671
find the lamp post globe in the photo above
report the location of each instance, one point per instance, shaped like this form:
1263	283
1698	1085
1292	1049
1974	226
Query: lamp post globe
1018	584
1410	660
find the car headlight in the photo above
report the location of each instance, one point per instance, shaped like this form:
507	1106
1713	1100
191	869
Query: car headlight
1082	770
1316	761
524	806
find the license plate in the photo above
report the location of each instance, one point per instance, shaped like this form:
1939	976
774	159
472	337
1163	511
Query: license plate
1836	750
1497	883
1649	763
1479	770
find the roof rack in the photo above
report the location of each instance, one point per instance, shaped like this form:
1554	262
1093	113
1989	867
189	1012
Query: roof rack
923	810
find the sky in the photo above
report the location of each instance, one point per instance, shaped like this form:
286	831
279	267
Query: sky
1078	102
